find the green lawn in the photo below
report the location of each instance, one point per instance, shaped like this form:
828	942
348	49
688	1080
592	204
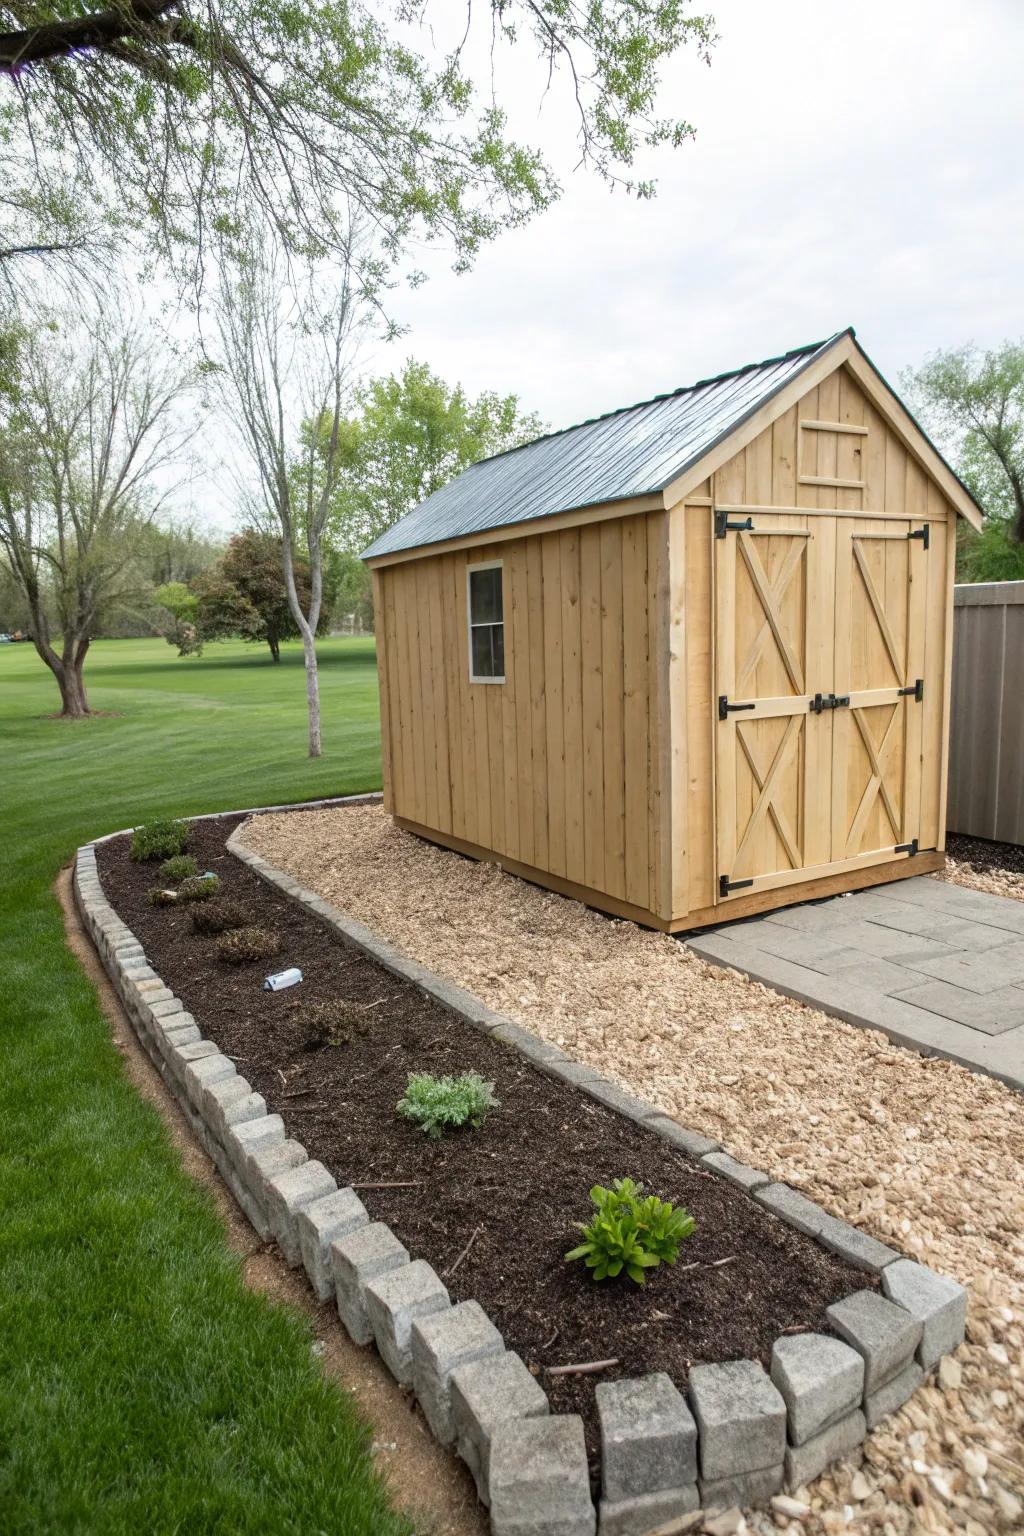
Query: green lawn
142	1387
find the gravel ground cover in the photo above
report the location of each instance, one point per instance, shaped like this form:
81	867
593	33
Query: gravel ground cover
917	1151
985	866
492	1210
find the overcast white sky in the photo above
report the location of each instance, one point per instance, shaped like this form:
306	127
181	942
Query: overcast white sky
853	165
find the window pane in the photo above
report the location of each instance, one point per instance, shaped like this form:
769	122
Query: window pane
485	596
488	650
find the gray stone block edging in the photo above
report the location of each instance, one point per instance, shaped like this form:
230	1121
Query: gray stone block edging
738	1434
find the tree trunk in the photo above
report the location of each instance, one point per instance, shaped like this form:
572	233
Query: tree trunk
68	672
307	629
312	689
275	647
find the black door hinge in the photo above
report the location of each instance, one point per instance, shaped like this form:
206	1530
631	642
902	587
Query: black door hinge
910	847
725	708
727	886
723	525
823	701
915	691
922	534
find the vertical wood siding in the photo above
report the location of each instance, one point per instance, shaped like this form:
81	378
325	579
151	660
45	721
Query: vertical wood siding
561	766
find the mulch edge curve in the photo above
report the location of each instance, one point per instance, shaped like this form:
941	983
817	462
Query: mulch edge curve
114	940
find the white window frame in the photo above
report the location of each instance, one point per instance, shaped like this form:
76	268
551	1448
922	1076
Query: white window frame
482	565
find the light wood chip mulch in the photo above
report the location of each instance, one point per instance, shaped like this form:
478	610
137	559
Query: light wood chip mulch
918	1150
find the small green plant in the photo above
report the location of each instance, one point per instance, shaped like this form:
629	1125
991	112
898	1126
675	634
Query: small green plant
181	867
159	840
241	946
630	1232
198	888
435	1103
218	916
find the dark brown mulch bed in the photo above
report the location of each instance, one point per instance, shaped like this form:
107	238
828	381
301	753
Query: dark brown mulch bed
980	854
517	1184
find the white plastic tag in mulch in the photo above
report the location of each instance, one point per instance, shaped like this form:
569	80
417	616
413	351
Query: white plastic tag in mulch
282	979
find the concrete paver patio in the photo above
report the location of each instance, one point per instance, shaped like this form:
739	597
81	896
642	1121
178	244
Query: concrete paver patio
937	967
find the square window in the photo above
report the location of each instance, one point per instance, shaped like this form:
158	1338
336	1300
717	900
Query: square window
486	624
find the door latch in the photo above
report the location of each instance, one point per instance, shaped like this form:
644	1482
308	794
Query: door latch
910	847
727	886
823	701
921	533
723	525
915	691
725	708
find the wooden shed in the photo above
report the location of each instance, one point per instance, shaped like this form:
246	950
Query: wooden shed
689	660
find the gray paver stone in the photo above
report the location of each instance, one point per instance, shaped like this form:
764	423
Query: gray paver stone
737	1173
938	1303
393	1301
892	1394
856	1247
440	1344
484	1395
192	1050
356	1258
821	1379
742	1489
167	1009
741	1416
319	1225
287	1194
648	1437
251	1106
216	1096
242	1136
879	1330
806	1462
691	1142
647	1512
210	1069
539	1482
178	1035
265	1161
793	1208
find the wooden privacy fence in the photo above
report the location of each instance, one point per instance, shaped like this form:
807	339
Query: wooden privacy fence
986	767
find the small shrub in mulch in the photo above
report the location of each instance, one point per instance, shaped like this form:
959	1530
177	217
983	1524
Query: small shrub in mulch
161	839
631	1232
181	867
334	1022
219	915
198	888
243	946
159	896
438	1104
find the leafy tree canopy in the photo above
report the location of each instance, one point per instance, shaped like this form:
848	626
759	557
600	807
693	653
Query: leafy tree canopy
243	594
181	118
410	434
973	403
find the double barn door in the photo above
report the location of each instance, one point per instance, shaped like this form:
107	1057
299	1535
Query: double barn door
820	680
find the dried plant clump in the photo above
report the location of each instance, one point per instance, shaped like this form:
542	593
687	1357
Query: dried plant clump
199	888
243	946
182	866
158	897
219	916
335	1022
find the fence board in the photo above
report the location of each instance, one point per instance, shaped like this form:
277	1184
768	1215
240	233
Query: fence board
986	785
